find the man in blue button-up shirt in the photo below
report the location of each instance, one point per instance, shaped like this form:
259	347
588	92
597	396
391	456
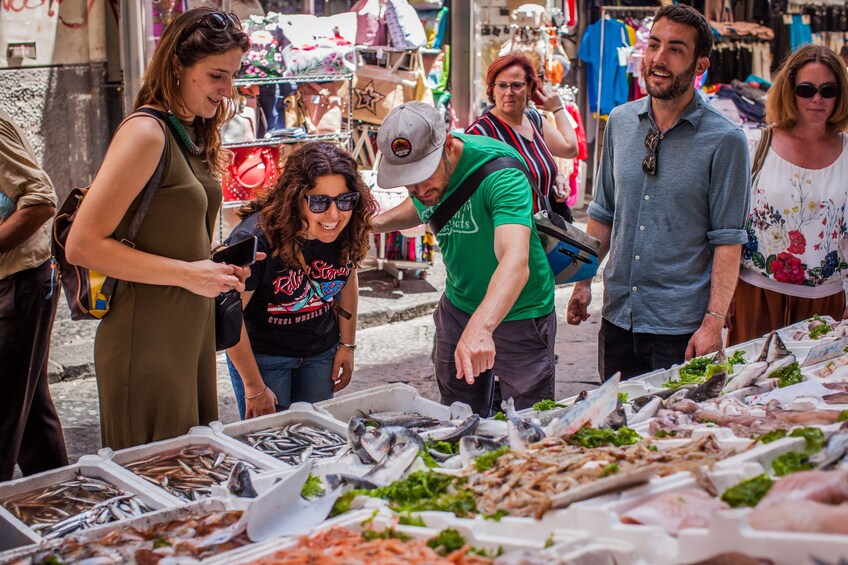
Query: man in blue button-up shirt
671	212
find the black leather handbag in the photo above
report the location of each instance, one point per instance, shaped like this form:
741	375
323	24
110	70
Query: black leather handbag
228	320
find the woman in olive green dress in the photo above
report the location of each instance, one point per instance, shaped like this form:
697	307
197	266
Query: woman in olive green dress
154	352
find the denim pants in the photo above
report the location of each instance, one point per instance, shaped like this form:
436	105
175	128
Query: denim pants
293	379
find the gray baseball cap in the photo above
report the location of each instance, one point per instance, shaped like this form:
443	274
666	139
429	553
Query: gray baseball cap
411	140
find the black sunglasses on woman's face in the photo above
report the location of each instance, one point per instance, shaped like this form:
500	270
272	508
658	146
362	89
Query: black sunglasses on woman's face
320	203
808	90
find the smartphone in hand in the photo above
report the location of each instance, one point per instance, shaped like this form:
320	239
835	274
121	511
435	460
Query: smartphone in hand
239	254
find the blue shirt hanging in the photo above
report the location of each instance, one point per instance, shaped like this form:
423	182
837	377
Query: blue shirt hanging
615	87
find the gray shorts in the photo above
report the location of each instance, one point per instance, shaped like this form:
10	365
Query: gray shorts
524	361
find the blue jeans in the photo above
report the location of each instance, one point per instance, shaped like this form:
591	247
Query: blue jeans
293	379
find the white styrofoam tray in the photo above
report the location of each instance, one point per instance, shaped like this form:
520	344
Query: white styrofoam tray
197	436
389	398
184	512
729	531
14	533
656	379
802	346
568	545
299	412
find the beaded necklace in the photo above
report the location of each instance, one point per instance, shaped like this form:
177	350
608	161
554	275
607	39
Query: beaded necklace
192	146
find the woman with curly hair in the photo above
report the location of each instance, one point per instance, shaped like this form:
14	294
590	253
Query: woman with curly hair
155	351
795	263
300	302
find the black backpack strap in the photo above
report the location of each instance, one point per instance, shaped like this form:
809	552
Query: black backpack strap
460	196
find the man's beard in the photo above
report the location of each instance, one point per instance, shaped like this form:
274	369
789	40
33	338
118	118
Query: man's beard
679	86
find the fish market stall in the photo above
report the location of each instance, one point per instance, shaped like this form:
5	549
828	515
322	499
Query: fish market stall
743	453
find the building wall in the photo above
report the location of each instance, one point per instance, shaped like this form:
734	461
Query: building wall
60	94
64	111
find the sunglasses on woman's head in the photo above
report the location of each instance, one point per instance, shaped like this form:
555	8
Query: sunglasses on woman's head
216	21
319	203
808	90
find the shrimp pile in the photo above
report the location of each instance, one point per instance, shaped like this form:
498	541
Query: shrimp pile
521	483
342	546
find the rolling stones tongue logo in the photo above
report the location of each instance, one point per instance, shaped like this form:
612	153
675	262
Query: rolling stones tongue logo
401	147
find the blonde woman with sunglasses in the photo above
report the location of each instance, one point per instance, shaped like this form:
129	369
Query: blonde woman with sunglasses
794	264
300	302
154	352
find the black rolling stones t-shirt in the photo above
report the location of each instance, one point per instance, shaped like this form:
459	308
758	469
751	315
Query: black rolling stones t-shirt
285	316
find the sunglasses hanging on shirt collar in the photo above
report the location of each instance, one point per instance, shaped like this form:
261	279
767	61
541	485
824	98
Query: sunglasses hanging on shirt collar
652	142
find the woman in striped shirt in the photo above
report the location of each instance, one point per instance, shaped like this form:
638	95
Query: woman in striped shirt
510	84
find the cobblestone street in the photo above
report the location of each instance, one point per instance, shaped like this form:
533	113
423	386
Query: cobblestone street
398	352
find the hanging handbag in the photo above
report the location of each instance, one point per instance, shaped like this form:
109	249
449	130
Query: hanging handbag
322	105
378	90
251	169
572	253
88	292
229	318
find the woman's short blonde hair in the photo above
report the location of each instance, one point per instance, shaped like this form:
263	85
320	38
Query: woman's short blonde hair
781	109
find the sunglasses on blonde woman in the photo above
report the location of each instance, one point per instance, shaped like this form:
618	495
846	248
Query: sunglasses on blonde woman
808	90
320	203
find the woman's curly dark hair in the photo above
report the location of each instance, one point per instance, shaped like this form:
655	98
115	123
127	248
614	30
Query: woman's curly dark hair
281	218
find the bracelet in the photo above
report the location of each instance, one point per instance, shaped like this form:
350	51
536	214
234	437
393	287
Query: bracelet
350	346
558	109
716	314
257	395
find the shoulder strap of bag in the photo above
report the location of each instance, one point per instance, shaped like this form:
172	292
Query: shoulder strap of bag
460	196
762	151
148	192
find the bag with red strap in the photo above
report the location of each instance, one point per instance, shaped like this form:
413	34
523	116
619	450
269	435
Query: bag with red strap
251	169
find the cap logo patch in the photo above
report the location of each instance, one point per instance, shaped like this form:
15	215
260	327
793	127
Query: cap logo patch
401	147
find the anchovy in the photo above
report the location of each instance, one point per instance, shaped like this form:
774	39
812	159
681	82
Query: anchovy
289	443
77	504
189	473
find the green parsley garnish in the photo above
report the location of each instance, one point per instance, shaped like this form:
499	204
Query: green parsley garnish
790	462
546	404
623	397
749	492
814	437
446	542
771	436
789	375
312	487
487	460
590	437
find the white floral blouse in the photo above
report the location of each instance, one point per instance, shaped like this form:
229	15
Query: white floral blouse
797	226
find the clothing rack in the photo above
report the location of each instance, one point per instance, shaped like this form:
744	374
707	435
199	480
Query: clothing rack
625	11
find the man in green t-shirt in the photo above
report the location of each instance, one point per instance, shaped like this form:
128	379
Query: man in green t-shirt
497	313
